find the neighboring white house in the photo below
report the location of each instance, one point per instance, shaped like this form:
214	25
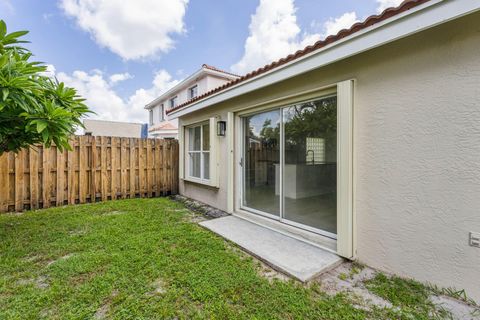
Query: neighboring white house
114	128
197	84
367	142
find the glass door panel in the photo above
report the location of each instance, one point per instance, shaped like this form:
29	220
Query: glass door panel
261	158
310	164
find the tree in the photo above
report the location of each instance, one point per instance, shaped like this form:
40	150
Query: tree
34	108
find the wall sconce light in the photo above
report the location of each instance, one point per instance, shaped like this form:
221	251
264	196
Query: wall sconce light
221	128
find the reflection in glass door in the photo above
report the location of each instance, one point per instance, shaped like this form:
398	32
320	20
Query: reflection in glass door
261	160
290	164
310	164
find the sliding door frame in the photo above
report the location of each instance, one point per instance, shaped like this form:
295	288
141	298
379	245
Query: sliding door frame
344	91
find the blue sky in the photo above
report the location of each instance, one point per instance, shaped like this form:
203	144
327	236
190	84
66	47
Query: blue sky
122	54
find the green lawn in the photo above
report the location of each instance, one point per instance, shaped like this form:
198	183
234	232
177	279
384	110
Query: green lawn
142	259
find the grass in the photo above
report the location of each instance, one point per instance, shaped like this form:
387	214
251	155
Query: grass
409	296
144	259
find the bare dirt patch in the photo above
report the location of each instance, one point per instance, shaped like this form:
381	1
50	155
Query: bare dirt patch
40	282
104	309
160	287
458	309
65	257
114	213
349	278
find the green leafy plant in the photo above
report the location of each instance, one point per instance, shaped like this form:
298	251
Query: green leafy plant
34	108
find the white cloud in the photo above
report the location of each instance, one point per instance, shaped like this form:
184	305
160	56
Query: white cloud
384	4
274	33
98	90
333	25
118	77
133	29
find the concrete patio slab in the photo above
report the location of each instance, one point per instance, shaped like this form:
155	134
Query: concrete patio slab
293	257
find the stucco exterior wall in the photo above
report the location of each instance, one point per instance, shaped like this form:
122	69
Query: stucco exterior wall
112	128
416	152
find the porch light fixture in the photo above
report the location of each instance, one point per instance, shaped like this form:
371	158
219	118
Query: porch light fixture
221	128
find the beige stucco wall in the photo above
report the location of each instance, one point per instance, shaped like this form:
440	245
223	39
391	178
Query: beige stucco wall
416	152
113	128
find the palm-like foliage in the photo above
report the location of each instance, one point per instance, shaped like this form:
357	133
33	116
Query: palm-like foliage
33	107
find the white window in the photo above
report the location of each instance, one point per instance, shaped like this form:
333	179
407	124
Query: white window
193	92
173	102
150	117
315	150
161	115
198	151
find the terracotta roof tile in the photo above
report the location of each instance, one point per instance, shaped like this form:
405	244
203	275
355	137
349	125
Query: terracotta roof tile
371	20
207	66
163	126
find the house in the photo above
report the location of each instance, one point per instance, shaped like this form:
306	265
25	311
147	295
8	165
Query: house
203	80
114	128
367	142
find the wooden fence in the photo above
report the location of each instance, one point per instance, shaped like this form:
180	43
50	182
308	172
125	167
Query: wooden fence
97	169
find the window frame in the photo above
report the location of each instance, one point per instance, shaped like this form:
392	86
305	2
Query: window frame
161	115
173	102
201	151
184	137
190	95
150	117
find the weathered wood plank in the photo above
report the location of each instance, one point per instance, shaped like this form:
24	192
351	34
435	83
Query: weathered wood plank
132	168
33	163
93	170
60	178
114	167
19	180
71	155
46	178
103	167
157	165
149	159
123	167
82	171
141	168
4	182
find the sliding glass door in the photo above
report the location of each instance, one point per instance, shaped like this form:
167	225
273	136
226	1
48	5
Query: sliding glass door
310	165
261	159
290	164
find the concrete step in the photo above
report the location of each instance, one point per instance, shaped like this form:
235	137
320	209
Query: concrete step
293	257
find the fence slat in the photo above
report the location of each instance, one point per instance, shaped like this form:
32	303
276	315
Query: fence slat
156	163
149	167
113	167
19	180
82	170
141	168
44	177
93	171
132	168
103	167
123	167
60	177
33	162
71	174
4	182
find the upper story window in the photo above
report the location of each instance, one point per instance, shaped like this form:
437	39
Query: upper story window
173	102
192	92
161	110
150	117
